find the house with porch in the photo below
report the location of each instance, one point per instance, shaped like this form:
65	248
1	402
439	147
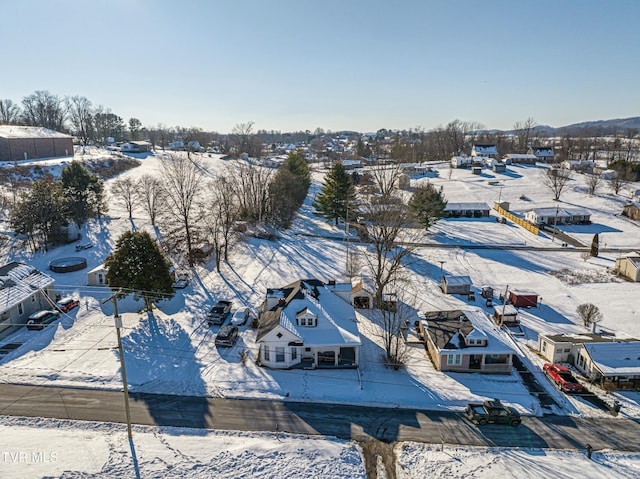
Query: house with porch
466	341
614	365
558	216
23	291
565	348
306	324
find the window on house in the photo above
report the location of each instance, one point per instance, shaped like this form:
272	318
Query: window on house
454	359
294	354
20	310
279	354
266	353
496	359
544	347
303	321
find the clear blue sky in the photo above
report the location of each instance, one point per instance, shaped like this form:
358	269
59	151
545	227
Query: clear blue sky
335	64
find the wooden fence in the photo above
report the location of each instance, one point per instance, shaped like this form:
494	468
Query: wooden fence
519	221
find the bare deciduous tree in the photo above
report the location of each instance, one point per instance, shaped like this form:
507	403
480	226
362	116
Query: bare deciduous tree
151	194
556	179
385	178
524	133
43	109
617	183
9	112
125	191
251	186
589	313
221	214
391	324
593	183
183	180
80	112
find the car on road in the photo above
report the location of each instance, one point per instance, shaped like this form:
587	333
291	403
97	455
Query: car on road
40	319
240	317
67	304
219	312
492	412
561	376
227	336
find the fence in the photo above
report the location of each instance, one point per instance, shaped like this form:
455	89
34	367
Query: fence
519	221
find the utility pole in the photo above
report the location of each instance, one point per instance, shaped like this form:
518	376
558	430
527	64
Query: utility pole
555	222
118	323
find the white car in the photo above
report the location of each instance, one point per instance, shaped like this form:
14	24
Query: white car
240	317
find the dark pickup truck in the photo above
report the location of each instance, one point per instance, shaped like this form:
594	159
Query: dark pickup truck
219	313
492	412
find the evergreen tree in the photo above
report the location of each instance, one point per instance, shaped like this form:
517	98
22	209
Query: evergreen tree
427	205
297	164
595	245
337	196
284	193
41	212
138	264
84	191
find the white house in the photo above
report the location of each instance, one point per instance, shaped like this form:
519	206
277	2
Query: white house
23	291
484	150
135	147
612	364
558	216
543	153
306	324
461	161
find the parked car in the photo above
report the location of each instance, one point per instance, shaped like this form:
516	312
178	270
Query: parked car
492	412
227	336
40	319
180	284
561	376
80	247
218	314
67	304
240	317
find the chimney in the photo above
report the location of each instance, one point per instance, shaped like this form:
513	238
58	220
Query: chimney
594	327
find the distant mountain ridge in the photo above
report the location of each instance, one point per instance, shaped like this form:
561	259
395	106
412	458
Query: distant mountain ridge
602	127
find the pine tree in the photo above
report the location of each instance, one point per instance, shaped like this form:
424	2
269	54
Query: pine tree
427	205
337	196
595	245
138	264
84	191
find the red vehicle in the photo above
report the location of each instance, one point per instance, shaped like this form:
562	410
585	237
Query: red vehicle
562	378
67	304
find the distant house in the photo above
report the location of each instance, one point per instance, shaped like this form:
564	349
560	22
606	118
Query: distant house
564	348
23	291
614	365
273	161
466	342
579	165
631	211
558	216
475	210
461	162
135	147
543	154
455	284
629	266
97	276
306	324
523	299
484	150
32	142
516	158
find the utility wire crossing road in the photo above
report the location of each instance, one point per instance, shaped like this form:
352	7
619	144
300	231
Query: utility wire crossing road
348	422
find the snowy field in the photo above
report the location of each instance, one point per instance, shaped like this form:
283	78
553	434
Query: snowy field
174	352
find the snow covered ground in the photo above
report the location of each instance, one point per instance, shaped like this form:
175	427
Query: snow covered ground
174	352
35	448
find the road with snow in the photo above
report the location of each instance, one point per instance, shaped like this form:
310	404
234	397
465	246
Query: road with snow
343	421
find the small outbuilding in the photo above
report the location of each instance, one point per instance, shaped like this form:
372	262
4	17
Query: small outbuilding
523	299
629	266
455	284
505	314
97	276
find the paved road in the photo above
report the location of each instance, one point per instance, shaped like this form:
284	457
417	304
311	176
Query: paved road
348	422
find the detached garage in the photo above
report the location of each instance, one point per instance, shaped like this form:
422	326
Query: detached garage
19	143
523	299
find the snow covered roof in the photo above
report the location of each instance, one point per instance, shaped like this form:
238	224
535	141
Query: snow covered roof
14	131
519	156
18	281
466	206
460	280
336	320
561	212
448	330
506	310
581	338
483	150
614	358
543	151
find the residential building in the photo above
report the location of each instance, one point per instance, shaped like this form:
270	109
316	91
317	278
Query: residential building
97	276
544	154
466	342
558	216
614	365
484	150
629	266
23	291
306	324
450	284
564	348
516	158
475	210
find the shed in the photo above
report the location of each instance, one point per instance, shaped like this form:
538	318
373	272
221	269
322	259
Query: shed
499	168
455	284
523	299
97	276
476	170
505	314
629	266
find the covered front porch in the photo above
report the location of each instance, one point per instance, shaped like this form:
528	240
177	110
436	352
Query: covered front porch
328	357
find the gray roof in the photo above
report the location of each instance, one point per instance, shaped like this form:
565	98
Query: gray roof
14	131
18	281
583	338
466	206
